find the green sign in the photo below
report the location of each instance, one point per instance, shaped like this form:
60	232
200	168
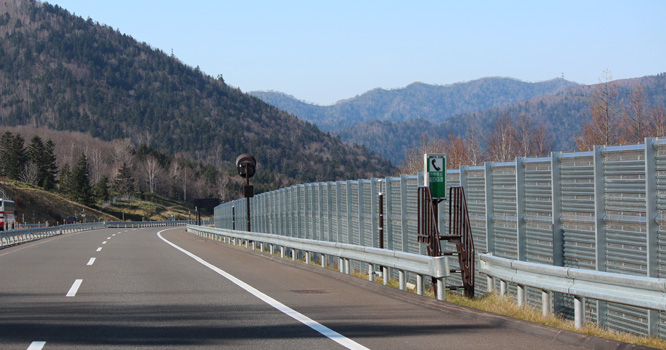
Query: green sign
435	174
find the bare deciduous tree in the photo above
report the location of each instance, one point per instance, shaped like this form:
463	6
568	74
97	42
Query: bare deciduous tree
658	121
501	141
635	121
30	173
150	167
605	108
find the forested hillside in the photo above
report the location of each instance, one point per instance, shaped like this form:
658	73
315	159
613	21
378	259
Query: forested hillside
434	103
563	115
62	72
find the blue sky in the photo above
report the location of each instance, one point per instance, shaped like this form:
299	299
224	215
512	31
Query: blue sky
324	51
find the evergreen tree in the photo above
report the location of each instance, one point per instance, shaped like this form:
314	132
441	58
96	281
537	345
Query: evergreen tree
15	157
36	152
101	189
123	184
50	167
81	189
5	147
64	183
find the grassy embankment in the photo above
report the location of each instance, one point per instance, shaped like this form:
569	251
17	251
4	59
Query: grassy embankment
35	205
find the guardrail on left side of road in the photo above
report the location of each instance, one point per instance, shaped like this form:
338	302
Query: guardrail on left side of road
13	237
421	265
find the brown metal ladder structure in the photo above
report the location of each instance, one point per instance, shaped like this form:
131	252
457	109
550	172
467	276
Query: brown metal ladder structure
460	233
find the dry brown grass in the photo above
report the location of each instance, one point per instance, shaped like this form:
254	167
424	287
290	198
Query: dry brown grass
38	206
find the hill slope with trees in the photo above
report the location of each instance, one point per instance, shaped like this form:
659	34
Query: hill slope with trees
62	72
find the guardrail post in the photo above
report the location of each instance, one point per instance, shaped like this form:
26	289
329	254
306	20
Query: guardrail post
520	295
282	252
441	289
545	302
490	282
371	272
324	261
385	275
401	279
293	254
307	258
419	284
347	266
579	312
271	248
503	288
341	265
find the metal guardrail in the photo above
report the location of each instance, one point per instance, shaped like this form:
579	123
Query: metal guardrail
602	210
639	291
13	237
436	267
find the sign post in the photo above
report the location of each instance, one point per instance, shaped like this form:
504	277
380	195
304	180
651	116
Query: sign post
435	174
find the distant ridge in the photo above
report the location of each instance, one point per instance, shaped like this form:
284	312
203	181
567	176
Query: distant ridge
434	103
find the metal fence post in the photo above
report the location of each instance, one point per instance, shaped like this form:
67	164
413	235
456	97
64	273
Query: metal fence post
423	250
490	211
652	227
329	210
521	236
388	215
361	213
403	213
349	214
599	224
556	193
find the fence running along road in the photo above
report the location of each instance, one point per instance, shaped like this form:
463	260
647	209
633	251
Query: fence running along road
602	210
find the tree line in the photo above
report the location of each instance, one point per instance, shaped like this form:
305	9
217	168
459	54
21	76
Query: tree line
91	173
614	120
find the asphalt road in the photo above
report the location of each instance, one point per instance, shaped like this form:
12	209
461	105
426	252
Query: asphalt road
146	290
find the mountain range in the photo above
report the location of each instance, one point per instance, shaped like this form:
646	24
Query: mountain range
390	122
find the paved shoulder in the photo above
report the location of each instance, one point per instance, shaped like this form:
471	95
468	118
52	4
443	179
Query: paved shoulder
373	315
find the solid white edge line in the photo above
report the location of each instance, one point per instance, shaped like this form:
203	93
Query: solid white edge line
74	289
36	345
91	261
327	332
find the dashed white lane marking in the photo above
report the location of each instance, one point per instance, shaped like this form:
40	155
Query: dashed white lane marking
113	235
325	331
36	345
91	261
75	288
108	237
104	242
99	249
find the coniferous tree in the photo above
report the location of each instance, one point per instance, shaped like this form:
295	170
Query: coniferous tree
81	190
123	184
101	189
15	158
50	166
5	147
36	152
64	183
